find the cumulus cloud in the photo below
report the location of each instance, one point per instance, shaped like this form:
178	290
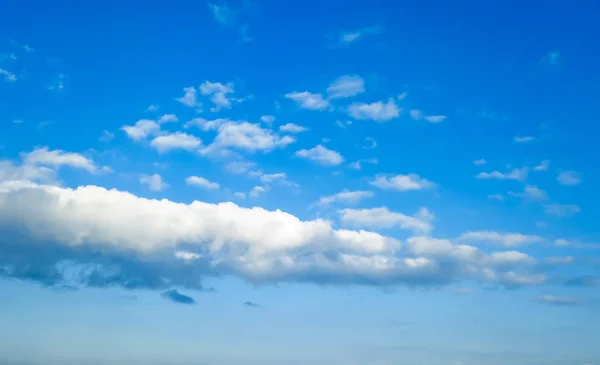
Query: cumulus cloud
201	182
321	155
346	86
58	158
382	217
269	119
569	178
543	166
141	129
514	174
503	239
176	141
378	111
154	182
292	128
190	98
402	182
219	94
97	237
307	100
531	192
346	197
168	118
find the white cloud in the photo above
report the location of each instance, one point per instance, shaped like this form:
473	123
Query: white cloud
344	125
349	37
479	162
558	300
106	136
498	197
416	114
58	83
543	166
292	128
175	141
32	172
384	218
269	119
201	182
190	98
58	158
267	178
154	182
504	239
531	192
402	182
142	129
435	118
357	165
256	191
522	139
255	244
346	197
569	178
218	94
346	86
245	136
561	242
152	108
371	143
321	155
514	174
561	210
377	111
239	195
168	118
307	100
239	167
8	76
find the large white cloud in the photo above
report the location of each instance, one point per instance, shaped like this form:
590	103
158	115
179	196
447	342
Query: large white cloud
133	241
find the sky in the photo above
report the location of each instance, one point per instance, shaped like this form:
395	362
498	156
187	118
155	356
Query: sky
268	182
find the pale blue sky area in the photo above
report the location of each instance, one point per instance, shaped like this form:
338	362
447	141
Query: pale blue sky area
269	182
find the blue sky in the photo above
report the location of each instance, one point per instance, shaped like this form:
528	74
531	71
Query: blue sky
352	183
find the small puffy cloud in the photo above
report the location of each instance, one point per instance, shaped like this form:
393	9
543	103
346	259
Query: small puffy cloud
347	38
168	118
569	178
256	191
154	182
177	297
558	300
479	162
343	125
175	141
8	76
239	167
307	100
245	136
357	165
561	210
218	94
543	166
503	239
10	171
201	182
190	98
269	119
384	218
346	197
378	111
514	174
106	136
435	118
407	182
152	108
531	192
522	139
58	158
292	128
346	86
142	129
268	178
321	155
370	143
223	14
497	197
239	195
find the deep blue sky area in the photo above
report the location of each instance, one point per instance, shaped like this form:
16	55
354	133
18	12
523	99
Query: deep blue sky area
314	182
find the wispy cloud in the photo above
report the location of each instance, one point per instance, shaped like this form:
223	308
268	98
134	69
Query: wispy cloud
8	76
569	178
346	38
558	300
234	18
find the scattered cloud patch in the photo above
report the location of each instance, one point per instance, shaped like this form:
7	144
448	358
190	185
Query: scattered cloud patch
378	111
201	182
190	98
522	139
543	166
503	239
347	38
346	197
175	141
106	136
479	162
168	118
382	217
357	165
531	192
251	305
321	155
346	86
561	210
154	182
269	119
58	158
514	174
370	143
558	300
141	129
569	178
342	124
8	76
292	128
403	183
307	100
218	94
497	197
175	296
